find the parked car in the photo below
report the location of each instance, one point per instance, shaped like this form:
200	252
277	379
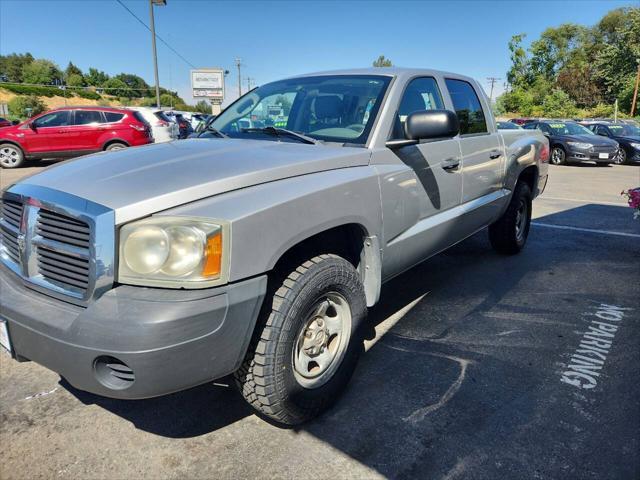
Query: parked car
197	119
4	122
571	142
184	125
627	136
70	132
258	253
522	121
162	128
508	126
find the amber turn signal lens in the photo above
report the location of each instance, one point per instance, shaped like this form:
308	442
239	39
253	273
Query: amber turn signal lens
213	263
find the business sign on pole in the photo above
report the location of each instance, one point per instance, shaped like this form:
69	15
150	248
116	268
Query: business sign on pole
208	83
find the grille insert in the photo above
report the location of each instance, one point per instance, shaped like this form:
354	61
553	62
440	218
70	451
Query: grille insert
62	269
12	212
10	243
63	229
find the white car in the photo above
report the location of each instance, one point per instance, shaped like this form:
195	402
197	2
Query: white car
163	129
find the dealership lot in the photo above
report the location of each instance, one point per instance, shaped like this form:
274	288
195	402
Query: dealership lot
467	374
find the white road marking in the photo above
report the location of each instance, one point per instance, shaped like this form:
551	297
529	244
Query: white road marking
41	394
577	200
588	230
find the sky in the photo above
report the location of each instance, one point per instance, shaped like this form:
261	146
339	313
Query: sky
275	39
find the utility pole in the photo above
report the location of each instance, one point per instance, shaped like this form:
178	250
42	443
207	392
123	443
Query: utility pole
239	64
153	45
249	82
635	90
493	81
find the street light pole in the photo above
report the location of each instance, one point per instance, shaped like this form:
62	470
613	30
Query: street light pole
153	45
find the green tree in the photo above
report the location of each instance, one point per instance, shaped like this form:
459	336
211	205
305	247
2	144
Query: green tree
382	61
11	66
558	104
518	75
26	106
41	71
139	88
96	78
203	106
558	47
579	83
72	70
75	80
117	88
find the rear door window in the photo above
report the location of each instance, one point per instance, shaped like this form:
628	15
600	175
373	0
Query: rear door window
87	117
113	117
467	106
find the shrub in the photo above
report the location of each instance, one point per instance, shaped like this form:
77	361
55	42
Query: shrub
31	90
26	106
88	94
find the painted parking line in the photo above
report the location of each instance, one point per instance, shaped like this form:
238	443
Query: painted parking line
588	230
577	200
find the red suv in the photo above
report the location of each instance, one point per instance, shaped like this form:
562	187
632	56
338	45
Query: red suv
70	132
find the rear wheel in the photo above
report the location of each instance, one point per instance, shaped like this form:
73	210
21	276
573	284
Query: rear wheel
558	155
11	156
306	345
509	234
115	146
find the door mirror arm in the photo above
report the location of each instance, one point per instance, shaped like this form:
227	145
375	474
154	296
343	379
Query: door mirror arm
399	143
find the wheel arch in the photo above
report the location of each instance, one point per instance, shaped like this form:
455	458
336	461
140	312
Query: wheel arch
350	241
111	141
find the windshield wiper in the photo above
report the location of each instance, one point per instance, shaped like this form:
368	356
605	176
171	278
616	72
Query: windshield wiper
215	131
283	132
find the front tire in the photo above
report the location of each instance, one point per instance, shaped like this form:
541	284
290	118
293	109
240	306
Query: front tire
11	156
558	155
509	234
307	343
621	158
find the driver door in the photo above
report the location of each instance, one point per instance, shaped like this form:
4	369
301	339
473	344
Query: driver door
49	132
420	187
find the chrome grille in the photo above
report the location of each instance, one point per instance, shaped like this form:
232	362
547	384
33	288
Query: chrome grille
58	244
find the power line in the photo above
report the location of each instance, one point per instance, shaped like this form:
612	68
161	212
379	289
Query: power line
157	36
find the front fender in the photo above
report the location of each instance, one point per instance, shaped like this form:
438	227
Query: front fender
267	220
522	153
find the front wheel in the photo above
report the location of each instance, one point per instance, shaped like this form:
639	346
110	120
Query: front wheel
306	344
621	158
558	156
509	234
11	156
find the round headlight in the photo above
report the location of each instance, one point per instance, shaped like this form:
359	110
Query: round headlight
187	249
146	249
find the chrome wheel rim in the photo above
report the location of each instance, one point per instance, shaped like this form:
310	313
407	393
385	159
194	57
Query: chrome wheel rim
621	157
557	156
9	156
115	147
323	340
521	220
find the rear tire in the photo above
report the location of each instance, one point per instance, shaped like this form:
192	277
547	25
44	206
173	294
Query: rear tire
307	343
115	146
11	156
509	234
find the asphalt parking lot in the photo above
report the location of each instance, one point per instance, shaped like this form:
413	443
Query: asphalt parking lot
478	366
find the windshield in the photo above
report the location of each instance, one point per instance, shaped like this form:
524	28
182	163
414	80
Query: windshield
333	108
508	126
569	129
624	130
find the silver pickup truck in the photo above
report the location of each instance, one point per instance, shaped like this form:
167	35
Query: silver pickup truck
257	252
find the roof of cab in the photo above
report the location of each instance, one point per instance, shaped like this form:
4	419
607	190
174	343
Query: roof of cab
386	71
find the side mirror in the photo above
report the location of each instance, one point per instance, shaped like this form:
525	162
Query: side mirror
15	122
32	125
431	124
427	124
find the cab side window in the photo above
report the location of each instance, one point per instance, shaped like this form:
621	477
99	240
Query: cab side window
85	117
421	94
467	106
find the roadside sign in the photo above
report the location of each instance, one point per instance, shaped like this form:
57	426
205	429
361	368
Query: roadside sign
208	83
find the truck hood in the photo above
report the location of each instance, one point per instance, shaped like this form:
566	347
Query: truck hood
137	182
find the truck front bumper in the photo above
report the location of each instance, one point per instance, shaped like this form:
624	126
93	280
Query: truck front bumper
134	342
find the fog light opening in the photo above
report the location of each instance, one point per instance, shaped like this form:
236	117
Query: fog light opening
113	373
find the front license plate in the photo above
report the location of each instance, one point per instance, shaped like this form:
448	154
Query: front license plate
603	155
5	343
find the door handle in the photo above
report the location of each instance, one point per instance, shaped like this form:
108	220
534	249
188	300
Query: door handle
450	164
495	154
